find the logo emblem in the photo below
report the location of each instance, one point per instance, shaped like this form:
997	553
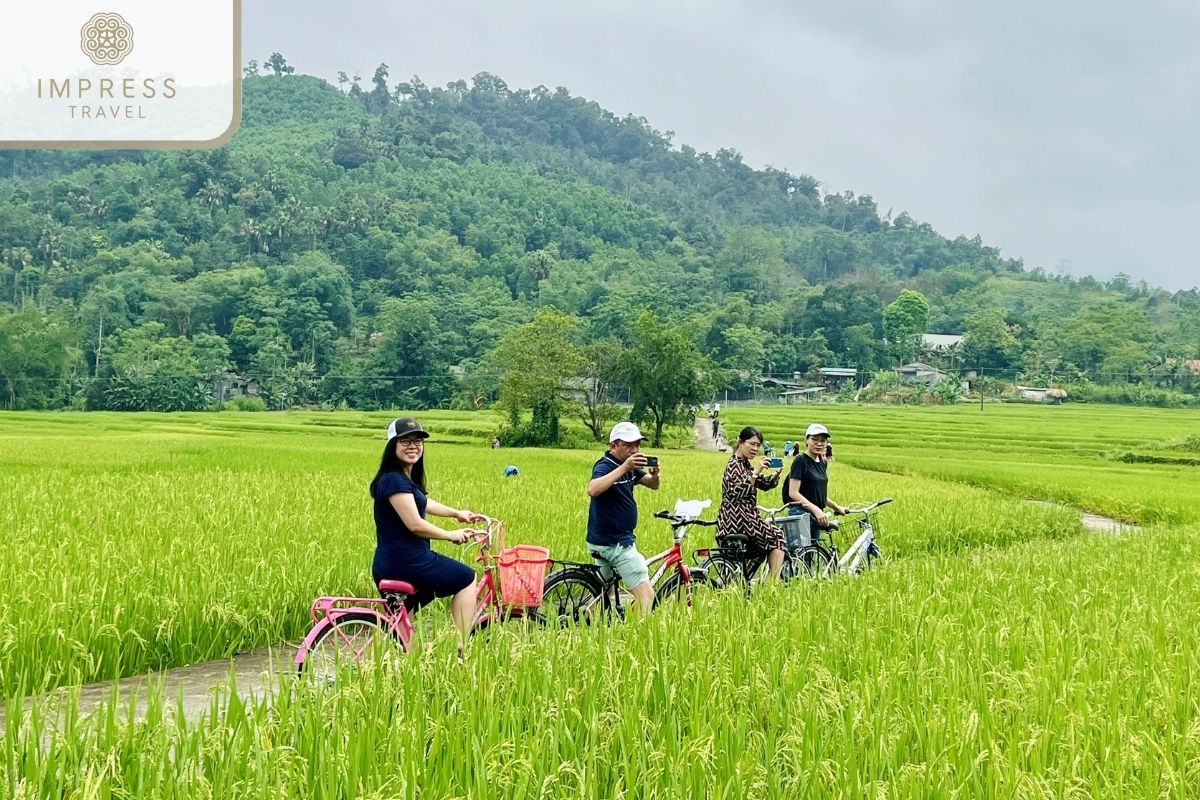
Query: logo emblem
106	39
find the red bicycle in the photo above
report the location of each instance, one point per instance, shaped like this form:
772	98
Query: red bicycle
579	593
345	629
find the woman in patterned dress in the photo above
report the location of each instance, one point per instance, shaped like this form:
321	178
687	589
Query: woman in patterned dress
744	478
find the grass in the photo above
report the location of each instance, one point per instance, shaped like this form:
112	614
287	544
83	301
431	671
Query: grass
1034	671
997	652
1066	454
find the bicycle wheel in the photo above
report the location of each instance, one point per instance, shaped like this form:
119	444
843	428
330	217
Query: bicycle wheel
571	596
510	620
724	572
677	589
342	644
812	561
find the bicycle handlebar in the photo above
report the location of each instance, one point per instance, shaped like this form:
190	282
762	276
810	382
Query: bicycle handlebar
870	508
771	511
678	521
483	537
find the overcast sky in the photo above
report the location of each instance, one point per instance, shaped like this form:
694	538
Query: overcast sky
1064	133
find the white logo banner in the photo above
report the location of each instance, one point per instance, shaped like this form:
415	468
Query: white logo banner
120	73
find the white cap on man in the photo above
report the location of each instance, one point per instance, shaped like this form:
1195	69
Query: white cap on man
625	432
816	429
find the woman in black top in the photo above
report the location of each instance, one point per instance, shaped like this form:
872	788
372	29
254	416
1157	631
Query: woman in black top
807	486
402	535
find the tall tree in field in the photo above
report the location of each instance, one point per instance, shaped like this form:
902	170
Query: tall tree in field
601	368
665	373
904	321
539	361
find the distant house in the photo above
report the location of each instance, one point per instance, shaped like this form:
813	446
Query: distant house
793	391
940	342
1041	395
1192	365
579	388
920	373
834	377
809	395
227	387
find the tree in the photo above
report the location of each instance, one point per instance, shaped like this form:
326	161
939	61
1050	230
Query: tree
751	261
826	254
742	350
1127	362
36	355
314	303
904	321
151	371
380	97
601	368
278	65
665	373
407	366
860	346
539	361
989	343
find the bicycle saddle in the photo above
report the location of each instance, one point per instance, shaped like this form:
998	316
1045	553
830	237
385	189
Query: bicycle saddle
733	540
404	587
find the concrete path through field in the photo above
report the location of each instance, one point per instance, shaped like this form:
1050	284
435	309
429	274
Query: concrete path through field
1094	522
254	673
703	434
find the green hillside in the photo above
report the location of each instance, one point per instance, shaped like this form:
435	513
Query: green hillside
369	246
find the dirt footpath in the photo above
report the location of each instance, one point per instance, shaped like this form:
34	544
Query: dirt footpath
702	433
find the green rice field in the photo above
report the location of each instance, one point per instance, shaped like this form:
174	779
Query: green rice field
998	651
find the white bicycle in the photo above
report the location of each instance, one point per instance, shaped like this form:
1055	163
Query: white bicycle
817	560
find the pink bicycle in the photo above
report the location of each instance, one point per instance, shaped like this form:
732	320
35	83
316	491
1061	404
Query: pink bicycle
345	629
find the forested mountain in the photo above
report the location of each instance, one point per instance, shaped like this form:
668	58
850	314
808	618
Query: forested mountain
371	246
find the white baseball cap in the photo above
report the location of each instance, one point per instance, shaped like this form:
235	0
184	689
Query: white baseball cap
816	429
626	432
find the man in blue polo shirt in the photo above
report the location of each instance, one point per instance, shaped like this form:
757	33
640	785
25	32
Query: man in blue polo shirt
612	513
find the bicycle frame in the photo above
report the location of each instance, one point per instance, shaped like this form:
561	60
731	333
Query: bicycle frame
857	551
852	559
610	596
668	560
751	566
396	621
671	557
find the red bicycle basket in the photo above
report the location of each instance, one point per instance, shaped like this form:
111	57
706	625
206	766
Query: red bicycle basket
522	572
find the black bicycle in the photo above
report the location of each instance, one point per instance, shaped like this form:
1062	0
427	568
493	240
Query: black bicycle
735	563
